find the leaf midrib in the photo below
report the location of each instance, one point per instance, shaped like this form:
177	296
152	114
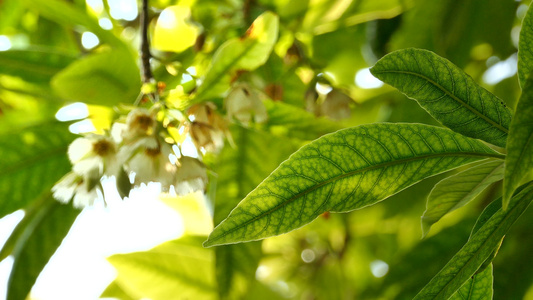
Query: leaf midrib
505	130
351	173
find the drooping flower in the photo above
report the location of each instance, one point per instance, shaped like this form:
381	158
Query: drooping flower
82	191
208	128
243	103
93	155
139	123
191	176
151	162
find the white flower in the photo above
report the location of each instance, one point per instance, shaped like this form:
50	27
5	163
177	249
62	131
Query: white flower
74	187
337	105
93	156
151	162
208	128
191	176
139	123
243	103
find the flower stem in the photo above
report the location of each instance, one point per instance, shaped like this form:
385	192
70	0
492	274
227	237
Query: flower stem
147	76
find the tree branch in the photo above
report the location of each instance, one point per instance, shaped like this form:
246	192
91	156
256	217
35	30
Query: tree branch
145	47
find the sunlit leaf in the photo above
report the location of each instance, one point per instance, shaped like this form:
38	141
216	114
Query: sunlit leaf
33	159
246	53
447	93
49	223
37	65
114	290
68	14
479	287
104	78
343	171
519	159
173	31
476	251
525	49
459	189
179	269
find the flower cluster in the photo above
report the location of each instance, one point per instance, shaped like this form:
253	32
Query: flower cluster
140	149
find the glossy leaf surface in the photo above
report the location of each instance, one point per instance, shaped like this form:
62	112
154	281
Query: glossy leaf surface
459	189
519	159
447	93
343	171
479	287
525	48
478	248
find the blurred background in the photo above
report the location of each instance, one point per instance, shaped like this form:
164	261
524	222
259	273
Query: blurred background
59	62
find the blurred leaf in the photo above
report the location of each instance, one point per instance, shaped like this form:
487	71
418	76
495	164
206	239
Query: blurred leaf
479	287
343	171
114	290
106	78
478	248
33	159
38	65
240	170
172	23
447	93
519	159
525	48
179	269
49	222
67	14
15	9
459	189
246	53
291	121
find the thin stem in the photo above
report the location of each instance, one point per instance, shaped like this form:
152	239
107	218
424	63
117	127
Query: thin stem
147	76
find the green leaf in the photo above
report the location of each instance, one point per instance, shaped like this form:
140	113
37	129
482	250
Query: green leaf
476	251
479	287
240	169
67	14
37	65
106	78
291	121
49	222
343	171
447	93
525	49
246	53
519	159
33	159
176	269
457	190
114	290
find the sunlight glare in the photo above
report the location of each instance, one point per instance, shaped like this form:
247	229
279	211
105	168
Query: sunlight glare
74	111
5	43
364	79
89	40
379	268
123	9
501	70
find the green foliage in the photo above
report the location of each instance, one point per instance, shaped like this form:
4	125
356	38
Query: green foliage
447	93
478	287
459	189
27	158
102	78
347	170
519	159
525	54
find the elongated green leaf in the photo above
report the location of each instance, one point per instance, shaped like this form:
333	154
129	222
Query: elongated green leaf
179	269
459	189
104	78
343	171
519	160
476	251
479	287
33	159
37	65
42	236
291	121
67	14
525	48
246	53
240	170
447	93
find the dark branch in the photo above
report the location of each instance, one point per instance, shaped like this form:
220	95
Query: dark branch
145	46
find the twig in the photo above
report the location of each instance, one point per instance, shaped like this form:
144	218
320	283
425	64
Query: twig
147	76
